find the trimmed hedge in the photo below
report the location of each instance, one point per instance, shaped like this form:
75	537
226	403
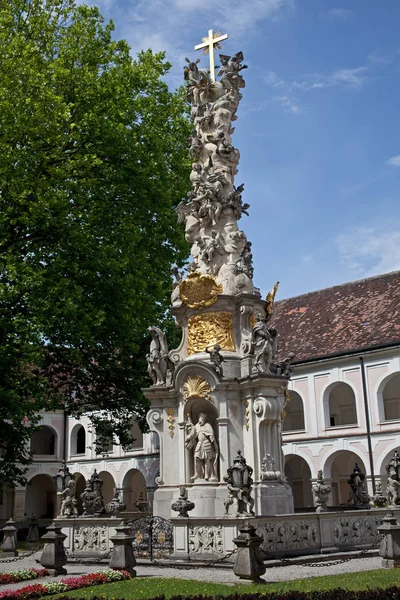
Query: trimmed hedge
390	593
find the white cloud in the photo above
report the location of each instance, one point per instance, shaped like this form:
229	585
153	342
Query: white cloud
370	251
178	25
273	80
288	105
339	13
394	161
350	78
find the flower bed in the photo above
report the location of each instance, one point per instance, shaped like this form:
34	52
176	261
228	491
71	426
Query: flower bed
22	575
37	590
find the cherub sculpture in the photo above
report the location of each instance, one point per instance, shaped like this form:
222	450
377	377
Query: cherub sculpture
216	359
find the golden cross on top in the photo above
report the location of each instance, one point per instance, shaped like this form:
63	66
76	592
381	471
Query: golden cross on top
208	44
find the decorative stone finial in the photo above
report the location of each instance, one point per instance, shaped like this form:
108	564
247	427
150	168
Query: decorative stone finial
182	505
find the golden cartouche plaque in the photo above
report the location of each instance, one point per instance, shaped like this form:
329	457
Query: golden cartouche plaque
210	329
199	290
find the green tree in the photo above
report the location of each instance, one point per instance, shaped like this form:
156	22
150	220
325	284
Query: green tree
93	162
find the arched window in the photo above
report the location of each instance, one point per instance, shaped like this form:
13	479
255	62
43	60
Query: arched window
81	440
341	406
78	440
294	418
391	399
137	437
43	441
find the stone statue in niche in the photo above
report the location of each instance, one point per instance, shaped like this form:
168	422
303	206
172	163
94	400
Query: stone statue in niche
69	503
264	345
159	365
216	359
201	437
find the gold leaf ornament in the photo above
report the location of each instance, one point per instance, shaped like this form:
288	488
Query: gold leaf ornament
210	329
196	387
199	291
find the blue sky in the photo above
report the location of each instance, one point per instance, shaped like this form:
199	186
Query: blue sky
318	127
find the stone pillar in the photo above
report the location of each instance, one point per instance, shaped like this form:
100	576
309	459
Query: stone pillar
53	556
122	557
19	504
33	532
9	545
390	544
248	563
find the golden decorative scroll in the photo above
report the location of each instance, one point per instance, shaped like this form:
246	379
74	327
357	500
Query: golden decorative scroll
199	291
210	329
197	387
287	400
171	421
270	299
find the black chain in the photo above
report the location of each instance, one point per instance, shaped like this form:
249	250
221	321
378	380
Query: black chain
339	561
191	567
19	557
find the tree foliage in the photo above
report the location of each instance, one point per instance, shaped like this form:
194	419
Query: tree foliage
93	161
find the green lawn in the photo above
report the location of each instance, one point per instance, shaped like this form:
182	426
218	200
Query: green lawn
147	587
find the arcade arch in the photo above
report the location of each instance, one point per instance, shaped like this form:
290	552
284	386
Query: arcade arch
298	475
40	497
134	487
80	483
338	467
294	418
108	486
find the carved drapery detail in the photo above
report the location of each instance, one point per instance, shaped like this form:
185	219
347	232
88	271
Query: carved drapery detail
90	538
281	535
197	387
206	539
210	329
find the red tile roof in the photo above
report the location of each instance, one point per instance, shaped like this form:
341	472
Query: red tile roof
342	318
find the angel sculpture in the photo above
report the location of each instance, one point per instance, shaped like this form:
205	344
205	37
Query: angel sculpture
198	82
159	365
229	71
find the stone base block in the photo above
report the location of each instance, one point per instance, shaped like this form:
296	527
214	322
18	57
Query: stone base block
208	499
273	498
390	563
56	572
9	554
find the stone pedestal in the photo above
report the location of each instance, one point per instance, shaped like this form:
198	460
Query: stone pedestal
390	544
53	556
273	498
243	411
248	562
122	558
9	544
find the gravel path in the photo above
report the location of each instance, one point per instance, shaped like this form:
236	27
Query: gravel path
216	575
